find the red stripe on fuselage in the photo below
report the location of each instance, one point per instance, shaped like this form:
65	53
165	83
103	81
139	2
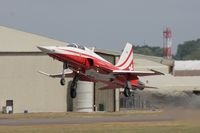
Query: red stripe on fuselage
78	59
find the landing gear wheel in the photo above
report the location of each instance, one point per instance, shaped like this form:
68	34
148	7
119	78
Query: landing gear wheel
73	93
127	92
62	81
73	87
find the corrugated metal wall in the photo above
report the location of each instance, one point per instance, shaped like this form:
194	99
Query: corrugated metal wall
136	102
187	68
105	98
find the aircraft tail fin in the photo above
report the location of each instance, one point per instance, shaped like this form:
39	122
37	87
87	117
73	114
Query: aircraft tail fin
126	59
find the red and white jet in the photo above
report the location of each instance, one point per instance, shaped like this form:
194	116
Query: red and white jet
84	64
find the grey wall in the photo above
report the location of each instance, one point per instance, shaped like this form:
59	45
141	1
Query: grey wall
20	82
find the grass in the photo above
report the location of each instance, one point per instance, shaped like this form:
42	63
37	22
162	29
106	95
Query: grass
128	127
175	126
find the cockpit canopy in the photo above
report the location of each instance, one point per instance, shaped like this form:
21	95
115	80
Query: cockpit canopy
76	46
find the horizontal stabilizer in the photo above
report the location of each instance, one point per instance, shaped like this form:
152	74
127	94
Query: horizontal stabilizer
157	72
150	87
137	73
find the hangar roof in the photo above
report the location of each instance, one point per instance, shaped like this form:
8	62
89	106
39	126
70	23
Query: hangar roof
12	40
108	52
139	56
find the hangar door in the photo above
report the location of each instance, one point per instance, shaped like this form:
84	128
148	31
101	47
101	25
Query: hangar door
105	99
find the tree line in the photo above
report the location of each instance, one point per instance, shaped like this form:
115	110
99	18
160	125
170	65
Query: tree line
148	50
189	50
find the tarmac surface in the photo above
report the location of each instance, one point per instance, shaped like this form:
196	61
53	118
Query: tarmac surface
47	121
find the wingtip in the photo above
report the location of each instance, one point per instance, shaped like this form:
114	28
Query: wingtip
43	73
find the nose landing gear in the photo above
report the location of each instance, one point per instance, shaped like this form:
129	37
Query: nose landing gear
62	80
73	85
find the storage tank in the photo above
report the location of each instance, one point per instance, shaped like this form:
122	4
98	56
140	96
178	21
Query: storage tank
85	97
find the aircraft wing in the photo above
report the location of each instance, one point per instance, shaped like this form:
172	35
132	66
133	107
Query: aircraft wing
137	73
68	73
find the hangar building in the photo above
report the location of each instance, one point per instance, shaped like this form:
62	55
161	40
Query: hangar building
23	88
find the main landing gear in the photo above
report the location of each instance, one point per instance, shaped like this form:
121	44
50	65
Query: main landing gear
73	87
127	92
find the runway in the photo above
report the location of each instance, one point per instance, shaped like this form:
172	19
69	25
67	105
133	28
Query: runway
47	121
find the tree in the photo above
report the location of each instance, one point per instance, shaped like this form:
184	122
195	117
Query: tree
189	50
147	50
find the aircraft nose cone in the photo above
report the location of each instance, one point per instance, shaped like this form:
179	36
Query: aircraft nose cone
44	49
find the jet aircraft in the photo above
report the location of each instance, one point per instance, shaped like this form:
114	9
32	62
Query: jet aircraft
84	64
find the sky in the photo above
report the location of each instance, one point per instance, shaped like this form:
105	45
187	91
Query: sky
106	24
